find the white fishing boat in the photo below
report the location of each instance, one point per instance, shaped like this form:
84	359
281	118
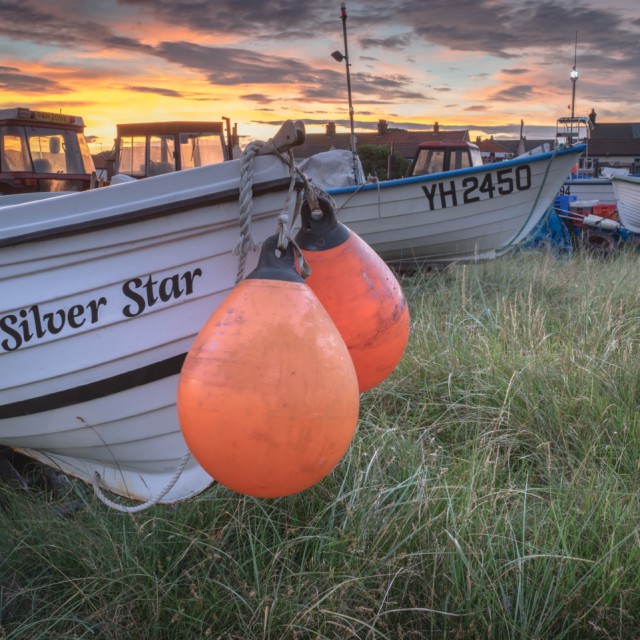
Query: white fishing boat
586	181
627	191
461	215
101	295
585	189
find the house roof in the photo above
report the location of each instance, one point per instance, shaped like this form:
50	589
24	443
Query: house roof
404	142
491	146
615	139
603	147
616	130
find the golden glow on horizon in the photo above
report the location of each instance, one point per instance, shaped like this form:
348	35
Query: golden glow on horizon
112	86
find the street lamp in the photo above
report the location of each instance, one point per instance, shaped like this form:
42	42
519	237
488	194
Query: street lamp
339	57
574	79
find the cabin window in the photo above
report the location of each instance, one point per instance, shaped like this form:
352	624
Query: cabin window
429	161
55	151
161	155
132	156
14	155
200	149
44	150
460	159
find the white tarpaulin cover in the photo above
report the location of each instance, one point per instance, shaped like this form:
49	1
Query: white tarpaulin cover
331	169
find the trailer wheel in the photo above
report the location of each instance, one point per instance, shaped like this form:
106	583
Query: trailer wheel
600	242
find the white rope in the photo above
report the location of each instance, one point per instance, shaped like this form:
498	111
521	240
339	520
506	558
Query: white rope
145	505
246	242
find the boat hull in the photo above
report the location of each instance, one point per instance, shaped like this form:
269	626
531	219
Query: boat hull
466	215
101	295
627	192
585	189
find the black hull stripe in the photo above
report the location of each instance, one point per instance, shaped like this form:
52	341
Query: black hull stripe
94	390
137	215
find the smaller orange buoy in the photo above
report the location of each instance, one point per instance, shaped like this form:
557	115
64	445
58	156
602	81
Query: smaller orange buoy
268	396
360	292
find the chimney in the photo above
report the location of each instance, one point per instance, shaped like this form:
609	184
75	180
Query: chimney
592	117
383	127
331	128
436	127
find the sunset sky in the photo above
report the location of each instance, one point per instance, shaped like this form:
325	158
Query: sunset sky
483	65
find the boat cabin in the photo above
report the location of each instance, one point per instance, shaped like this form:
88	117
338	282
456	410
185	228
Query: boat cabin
572	130
42	151
149	149
439	155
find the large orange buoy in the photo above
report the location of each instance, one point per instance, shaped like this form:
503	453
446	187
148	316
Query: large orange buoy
268	396
360	292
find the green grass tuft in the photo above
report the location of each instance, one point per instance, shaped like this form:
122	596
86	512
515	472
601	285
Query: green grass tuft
491	491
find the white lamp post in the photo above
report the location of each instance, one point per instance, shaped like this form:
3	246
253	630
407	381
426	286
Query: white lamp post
574	79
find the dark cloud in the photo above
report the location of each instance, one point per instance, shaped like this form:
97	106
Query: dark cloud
169	93
229	66
513	94
234	66
505	28
392	42
515	71
11	81
42	23
259	98
260	18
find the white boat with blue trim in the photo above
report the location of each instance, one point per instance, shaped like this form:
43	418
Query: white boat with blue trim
101	295
462	215
627	191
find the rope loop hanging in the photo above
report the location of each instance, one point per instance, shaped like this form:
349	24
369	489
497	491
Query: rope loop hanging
97	489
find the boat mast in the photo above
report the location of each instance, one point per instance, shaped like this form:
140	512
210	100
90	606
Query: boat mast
574	77
336	55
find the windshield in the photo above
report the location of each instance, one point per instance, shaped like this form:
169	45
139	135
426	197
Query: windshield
200	149
429	161
15	154
44	150
132	156
161	155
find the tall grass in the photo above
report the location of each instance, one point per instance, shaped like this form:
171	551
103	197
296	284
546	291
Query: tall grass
491	491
